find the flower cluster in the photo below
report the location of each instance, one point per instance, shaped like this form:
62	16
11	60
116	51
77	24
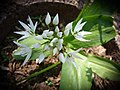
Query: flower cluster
53	40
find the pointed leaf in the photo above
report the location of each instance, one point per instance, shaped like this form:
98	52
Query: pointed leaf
75	78
104	68
95	38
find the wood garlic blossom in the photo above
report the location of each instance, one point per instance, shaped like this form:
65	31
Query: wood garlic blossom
51	40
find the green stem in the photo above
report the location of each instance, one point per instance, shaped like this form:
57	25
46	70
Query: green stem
80	14
100	33
83	9
40	72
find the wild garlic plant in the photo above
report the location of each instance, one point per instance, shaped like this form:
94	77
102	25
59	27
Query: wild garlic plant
50	40
93	27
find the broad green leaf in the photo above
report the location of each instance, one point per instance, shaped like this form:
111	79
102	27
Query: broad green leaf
35	54
73	78
92	20
98	7
31	41
104	68
96	38
99	22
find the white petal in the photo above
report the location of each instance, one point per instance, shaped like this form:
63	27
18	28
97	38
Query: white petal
45	31
80	38
27	57
74	63
48	19
57	29
37	45
23	37
66	32
39	37
18	53
56	20
79	22
55	51
75	52
34	29
30	21
22	32
46	47
69	26
44	35
41	57
79	26
59	34
53	41
60	42
61	57
25	26
82	33
20	45
49	34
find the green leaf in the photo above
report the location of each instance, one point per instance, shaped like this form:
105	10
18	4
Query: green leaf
31	41
73	78
99	22
35	54
96	38
104	68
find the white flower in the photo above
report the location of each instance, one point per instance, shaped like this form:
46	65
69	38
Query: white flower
68	28
46	47
38	37
25	51
79	36
44	35
53	41
59	34
36	45
78	33
69	57
57	29
59	44
29	29
24	34
61	57
74	53
48	19
31	25
56	20
47	34
55	51
50	33
79	26
41	58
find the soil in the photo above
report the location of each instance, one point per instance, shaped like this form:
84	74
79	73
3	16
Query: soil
11	71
